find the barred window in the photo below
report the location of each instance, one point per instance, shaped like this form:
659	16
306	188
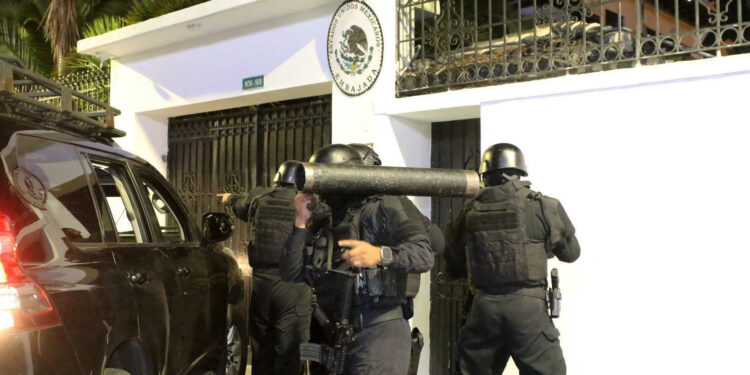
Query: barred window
446	44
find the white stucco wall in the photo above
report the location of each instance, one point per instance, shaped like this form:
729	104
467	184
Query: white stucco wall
205	74
649	163
653	177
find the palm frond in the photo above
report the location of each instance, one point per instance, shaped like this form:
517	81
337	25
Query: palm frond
15	40
61	29
11	43
146	9
89	10
101	25
79	61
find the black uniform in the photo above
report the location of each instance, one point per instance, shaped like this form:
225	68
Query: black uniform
435	235
382	337
505	236
279	311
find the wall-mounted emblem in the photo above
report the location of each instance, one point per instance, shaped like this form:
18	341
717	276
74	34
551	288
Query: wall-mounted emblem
355	47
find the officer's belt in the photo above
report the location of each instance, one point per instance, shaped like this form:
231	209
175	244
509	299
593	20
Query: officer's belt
537	292
265	266
267	272
364	319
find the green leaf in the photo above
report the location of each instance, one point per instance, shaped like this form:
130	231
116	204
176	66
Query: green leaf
79	61
146	9
103	24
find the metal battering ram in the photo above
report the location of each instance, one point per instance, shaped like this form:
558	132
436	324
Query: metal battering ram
370	180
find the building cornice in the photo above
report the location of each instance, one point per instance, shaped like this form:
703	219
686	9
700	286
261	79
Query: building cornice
191	23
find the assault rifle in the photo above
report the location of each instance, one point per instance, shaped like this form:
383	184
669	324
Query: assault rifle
333	356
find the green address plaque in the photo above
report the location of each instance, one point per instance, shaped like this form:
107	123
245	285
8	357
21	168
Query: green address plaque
251	83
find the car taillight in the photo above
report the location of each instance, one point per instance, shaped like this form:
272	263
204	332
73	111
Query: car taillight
23	304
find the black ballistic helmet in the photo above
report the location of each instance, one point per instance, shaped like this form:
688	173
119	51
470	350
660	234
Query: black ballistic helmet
367	154
503	156
336	154
285	174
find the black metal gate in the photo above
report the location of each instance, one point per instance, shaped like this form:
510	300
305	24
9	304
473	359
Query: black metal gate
455	144
235	150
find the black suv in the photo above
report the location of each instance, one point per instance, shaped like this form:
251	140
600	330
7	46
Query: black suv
102	271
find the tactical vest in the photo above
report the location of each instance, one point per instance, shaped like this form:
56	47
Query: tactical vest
273	216
499	254
375	288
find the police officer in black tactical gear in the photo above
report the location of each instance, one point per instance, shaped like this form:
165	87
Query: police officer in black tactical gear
437	239
501	241
280	311
437	243
372	240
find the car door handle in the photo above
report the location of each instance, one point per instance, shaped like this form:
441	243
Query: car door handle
183	271
137	278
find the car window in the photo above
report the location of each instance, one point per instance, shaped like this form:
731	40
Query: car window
50	176
106	221
161	209
112	181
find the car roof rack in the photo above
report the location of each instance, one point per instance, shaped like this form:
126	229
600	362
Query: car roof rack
28	95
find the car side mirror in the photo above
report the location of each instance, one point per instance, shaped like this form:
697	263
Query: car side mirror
217	227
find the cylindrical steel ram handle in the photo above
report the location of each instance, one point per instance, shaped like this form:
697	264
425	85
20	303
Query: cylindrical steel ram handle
369	180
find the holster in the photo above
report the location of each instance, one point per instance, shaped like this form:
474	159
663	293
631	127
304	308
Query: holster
553	302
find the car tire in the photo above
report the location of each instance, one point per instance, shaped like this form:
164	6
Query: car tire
114	371
128	359
234	361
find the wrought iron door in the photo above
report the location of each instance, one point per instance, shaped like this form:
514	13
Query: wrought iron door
235	150
455	144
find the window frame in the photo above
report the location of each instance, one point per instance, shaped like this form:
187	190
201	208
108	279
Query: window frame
132	196
94	188
145	172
